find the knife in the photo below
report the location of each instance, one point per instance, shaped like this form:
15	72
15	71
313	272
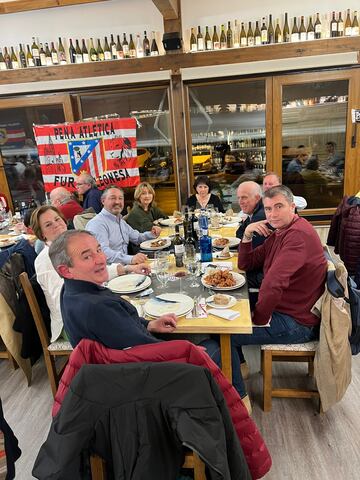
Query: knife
159	299
141	281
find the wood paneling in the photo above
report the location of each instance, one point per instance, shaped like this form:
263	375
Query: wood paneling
175	62
26	5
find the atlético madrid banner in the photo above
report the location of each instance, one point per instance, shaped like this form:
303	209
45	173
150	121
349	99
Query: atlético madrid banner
104	148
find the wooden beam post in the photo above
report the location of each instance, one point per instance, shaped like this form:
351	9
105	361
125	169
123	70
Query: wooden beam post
169	9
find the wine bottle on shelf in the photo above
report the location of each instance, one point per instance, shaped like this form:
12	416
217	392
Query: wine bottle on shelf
347	28
264	32
78	53
333	26
355	25
132	48
302	30
317	26
179	248
93	53
48	57
7	59
243	37
29	57
341	27
193	42
139	47
208	41
14	60
119	49
72	53
22	57
146	45
236	42
113	47
278	33
310	33
250	36
271	34
42	56
35	53
100	51
325	25
215	39
107	51
154	51
61	53
286	30
295	36
257	34
125	46
223	43
229	37
54	55
2	61
85	52
200	40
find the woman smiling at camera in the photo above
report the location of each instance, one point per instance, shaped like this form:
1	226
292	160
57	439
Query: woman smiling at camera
48	224
203	197
144	212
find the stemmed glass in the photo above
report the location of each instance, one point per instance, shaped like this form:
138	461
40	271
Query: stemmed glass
162	268
192	264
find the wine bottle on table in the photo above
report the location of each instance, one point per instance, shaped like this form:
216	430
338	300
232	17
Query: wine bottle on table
179	248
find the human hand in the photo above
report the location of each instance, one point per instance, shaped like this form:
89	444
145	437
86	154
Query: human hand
156	231
164	324
142	268
257	227
138	258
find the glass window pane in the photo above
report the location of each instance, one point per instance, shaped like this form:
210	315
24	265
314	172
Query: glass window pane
228	135
313	139
154	148
19	152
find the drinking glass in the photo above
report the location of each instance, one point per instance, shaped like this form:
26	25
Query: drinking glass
162	268
192	264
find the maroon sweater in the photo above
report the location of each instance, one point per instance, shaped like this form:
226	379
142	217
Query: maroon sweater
294	272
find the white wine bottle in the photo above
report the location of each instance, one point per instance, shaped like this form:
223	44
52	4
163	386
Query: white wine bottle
264	32
100	51
14	60
61	53
139	47
236	35
355	25
278	33
93	53
348	24
243	37
42	56
271	34
310	33
85	52
257	34
78	53
54	54
286	30
132	48
22	57
317	26
119	49
2	61
208	41
29	57
340	22
200	40
146	45
229	37
215	39
7	59
72	53
107	51
295	36
223	43
193	42
113	47
302	30
48	55
250	36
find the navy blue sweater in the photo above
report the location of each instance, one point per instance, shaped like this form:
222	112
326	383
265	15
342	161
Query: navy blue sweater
94	312
92	198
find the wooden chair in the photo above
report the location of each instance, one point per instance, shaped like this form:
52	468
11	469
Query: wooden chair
304	352
60	348
98	470
7	355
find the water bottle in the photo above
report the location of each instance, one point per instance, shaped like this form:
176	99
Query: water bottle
205	246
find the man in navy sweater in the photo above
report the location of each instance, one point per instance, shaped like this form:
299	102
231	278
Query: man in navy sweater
89	310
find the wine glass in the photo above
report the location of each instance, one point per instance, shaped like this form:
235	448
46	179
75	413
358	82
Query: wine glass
192	264
162	268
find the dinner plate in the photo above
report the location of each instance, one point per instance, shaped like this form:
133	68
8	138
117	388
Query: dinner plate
7	243
127	283
170	222
155	308
230	220
147	245
217	255
239	279
231	303
233	242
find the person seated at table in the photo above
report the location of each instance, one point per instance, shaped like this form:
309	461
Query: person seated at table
203	198
294	268
63	200
86	186
144	212
249	195
3	202
47	224
271	179
114	234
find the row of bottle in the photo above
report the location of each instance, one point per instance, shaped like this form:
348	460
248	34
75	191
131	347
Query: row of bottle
267	33
87	51
248	142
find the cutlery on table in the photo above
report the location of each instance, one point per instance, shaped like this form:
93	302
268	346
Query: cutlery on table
160	299
141	281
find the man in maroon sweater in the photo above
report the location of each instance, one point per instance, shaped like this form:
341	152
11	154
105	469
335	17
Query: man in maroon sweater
294	273
62	199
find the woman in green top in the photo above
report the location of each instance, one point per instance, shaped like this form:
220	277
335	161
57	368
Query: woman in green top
144	212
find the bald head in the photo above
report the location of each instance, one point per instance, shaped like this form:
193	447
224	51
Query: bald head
248	195
59	195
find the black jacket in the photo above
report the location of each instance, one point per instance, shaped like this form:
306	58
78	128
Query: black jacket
214	200
138	417
258	214
12	451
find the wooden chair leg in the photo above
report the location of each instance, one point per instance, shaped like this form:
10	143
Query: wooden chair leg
267	380
51	371
97	465
262	362
199	468
12	361
311	367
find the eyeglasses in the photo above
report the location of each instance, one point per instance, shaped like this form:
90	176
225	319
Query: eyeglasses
79	184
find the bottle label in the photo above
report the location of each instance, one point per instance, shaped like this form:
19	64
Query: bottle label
200	44
48	62
348	31
243	42
264	36
35	52
355	31
223	45
250	41
216	45
113	51
295	37
279	39
107	55
193	47
120	54
54	58
303	36
3	66
30	62
79	58
311	35
85	57
179	249
340	27
209	45
42	59
94	57
15	65
318	28
154	53
126	49
257	40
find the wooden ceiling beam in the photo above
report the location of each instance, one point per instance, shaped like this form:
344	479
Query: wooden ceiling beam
169	9
16	6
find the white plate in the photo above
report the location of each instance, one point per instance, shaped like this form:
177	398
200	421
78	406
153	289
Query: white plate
231	303
127	283
239	279
217	255
233	242
230	220
184	304
147	245
169	222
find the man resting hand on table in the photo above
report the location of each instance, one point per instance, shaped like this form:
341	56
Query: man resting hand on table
90	310
294	268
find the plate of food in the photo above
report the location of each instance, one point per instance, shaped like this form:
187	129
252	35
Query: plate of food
221	300
131	283
223	279
171	221
223	254
156	244
7	242
226	242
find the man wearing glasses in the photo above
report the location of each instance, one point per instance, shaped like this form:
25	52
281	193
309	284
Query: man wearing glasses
86	186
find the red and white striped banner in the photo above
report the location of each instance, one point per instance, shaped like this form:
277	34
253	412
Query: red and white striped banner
104	148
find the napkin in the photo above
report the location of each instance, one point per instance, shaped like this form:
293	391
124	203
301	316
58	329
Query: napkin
227	265
199	310
226	314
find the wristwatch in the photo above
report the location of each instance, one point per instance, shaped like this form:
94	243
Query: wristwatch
126	269
248	237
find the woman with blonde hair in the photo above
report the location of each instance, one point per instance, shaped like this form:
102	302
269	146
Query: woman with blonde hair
144	211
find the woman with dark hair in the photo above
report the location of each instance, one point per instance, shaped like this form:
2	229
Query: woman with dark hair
203	198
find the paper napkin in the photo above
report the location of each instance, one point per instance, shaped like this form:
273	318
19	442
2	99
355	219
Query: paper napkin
226	314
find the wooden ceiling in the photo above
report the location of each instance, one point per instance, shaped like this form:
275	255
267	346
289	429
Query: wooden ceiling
14	6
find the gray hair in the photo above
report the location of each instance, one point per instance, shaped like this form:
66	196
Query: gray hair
88	179
58	251
272	174
107	190
280	190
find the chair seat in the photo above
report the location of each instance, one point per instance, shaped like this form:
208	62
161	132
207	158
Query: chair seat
60	345
295	347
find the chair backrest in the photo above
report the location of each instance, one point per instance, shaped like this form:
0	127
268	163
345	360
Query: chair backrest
80	221
35	310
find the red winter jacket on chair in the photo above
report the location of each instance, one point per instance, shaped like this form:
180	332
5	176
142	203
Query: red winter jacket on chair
181	351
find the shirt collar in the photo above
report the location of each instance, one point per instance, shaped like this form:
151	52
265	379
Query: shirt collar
110	215
78	286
